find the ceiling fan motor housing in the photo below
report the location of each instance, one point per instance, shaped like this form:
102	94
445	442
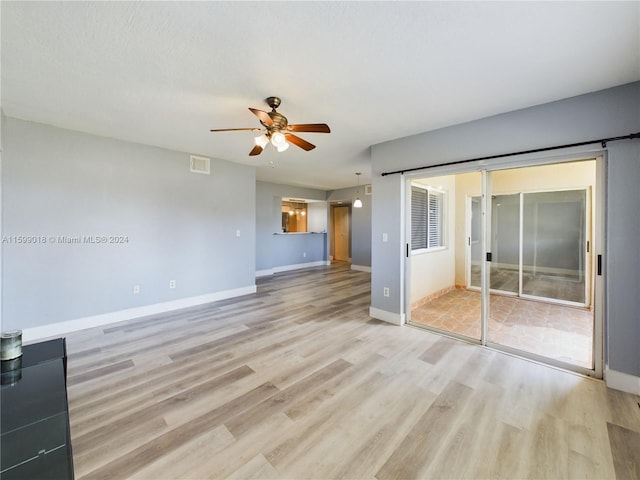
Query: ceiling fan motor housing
279	121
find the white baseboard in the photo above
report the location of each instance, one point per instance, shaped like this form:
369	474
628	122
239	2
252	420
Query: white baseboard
60	328
264	273
286	268
622	381
395	318
361	268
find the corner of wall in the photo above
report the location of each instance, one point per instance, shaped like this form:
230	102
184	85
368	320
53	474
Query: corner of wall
361	268
622	381
390	317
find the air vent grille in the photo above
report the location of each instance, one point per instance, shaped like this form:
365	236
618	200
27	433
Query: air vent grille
200	164
367	189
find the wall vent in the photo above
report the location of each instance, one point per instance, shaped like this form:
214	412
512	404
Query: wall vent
368	189
200	164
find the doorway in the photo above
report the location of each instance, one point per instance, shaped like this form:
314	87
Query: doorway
521	243
341	233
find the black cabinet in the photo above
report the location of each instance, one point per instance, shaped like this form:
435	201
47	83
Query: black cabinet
35	441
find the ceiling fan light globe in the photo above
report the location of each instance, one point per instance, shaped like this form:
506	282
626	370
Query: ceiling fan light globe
278	139
261	140
282	148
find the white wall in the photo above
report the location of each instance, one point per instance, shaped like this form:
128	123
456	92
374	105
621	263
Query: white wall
467	184
317	216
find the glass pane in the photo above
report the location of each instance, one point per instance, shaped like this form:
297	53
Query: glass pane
553	253
475	242
554	245
439	298
505	242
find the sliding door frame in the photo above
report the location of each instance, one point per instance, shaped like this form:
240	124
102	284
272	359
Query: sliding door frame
597	246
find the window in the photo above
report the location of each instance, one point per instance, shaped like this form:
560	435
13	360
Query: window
427	218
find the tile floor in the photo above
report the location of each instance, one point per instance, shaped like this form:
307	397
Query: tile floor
554	331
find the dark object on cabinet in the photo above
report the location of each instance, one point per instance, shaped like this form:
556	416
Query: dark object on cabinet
35	440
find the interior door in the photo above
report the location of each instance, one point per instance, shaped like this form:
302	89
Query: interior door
341	233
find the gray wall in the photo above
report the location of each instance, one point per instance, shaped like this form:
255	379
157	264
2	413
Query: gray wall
271	250
179	225
360	223
295	248
601	114
623	254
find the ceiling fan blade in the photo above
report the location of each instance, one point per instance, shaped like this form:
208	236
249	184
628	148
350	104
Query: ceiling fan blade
257	150
235	129
309	127
303	144
263	116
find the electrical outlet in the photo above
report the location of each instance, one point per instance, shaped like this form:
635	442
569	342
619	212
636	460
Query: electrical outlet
136	289
237	233
172	284
304	254
385	237
385	291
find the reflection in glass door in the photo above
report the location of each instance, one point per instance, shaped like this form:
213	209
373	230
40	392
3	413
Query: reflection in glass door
538	244
554	246
475	242
505	243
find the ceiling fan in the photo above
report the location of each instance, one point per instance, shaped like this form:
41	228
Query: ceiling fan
278	131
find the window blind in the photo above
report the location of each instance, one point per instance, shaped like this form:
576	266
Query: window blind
427	218
435	220
418	218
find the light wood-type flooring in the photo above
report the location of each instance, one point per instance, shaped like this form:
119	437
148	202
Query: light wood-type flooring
298	382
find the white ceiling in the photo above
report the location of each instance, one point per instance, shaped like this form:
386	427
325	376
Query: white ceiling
165	73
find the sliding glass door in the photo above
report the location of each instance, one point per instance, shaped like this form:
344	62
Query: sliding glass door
512	268
538	267
554	246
